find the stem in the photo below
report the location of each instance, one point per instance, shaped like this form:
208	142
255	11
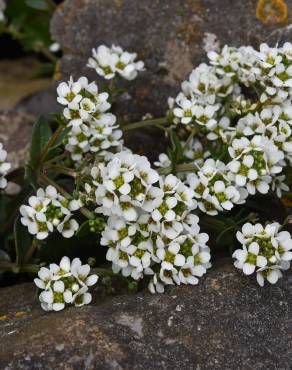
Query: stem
31	251
102	271
62	169
47	53
184	167
192	134
10	266
56	159
50	143
51	4
86	212
149	122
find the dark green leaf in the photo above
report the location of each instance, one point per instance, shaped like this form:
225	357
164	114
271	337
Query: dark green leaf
29	25
40	136
84	229
22	241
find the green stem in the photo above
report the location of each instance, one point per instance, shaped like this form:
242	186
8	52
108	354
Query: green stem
10	266
102	271
184	167
146	123
51	4
56	159
50	143
189	139
86	212
61	169
30	251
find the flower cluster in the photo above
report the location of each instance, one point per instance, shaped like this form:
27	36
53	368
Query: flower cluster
254	163
48	210
266	250
97	137
109	62
213	188
242	100
93	129
150	222
82	101
64	284
4	167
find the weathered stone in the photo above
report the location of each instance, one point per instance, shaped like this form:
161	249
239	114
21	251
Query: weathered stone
42	103
226	322
18	80
15	134
171	36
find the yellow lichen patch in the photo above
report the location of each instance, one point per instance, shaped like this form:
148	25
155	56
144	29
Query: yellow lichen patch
118	3
272	11
3	317
20	314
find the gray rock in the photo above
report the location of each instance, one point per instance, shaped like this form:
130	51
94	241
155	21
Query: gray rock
171	36
226	322
15	134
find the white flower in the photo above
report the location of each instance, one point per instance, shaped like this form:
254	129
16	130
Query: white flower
185	111
265	250
4	167
156	285
68	227
108	62
54	47
163	161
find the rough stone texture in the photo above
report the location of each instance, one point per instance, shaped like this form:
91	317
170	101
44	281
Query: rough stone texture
42	103
171	36
15	134
226	322
18	80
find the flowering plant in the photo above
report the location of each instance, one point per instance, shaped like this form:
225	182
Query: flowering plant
230	148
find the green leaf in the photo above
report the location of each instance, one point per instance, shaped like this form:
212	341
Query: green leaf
84	229
56	149
22	241
40	136
29	25
38	4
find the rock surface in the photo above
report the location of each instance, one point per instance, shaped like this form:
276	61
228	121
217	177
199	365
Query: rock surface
15	134
171	36
18	80
226	322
